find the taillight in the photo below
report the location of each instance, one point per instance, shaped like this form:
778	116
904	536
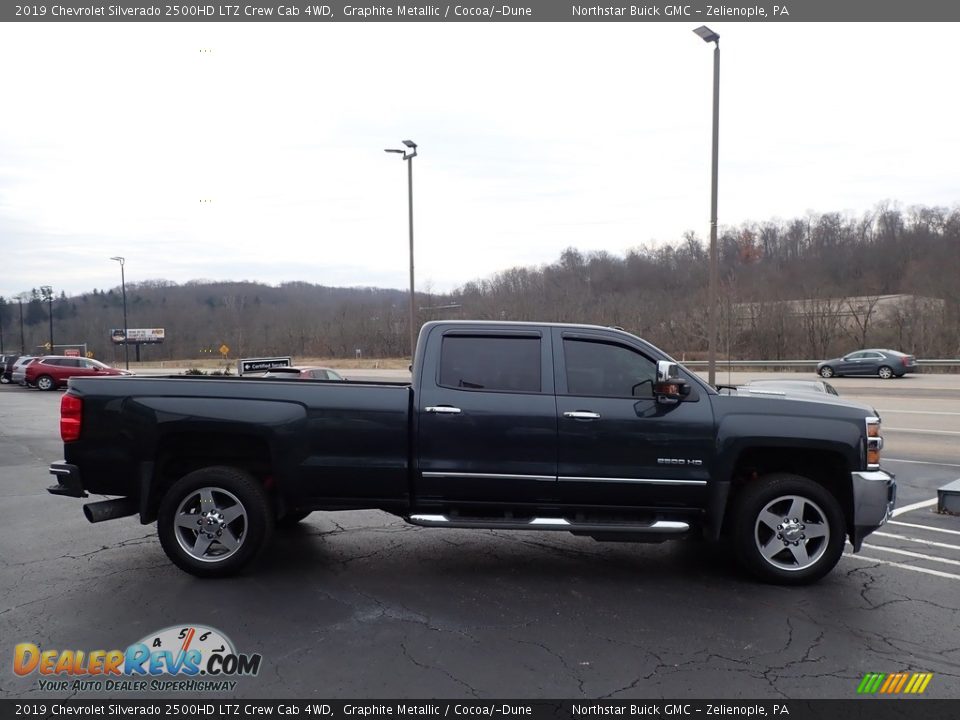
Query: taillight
874	443
71	414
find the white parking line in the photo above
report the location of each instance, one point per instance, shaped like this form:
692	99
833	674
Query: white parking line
918	412
916	540
926	571
924	527
920	462
915	506
910	553
921	432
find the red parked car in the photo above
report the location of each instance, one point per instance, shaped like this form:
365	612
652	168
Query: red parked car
53	371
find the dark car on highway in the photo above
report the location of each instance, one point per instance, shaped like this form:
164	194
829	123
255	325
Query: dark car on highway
885	364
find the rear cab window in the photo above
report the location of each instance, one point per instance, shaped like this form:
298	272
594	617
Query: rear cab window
491	363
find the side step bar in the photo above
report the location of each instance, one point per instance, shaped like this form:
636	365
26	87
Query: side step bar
658	527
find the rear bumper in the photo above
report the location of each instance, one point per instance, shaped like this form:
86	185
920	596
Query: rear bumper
874	497
68	480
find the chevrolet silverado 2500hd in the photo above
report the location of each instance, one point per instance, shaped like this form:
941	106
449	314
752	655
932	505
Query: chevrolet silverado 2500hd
520	426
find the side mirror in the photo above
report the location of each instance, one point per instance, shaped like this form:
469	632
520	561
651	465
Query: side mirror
667	370
670	388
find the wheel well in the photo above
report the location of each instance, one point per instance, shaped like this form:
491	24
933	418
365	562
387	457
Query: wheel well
826	468
180	454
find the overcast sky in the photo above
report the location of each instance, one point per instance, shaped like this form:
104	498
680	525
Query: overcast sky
533	138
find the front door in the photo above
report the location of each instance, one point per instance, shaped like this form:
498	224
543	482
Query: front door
617	446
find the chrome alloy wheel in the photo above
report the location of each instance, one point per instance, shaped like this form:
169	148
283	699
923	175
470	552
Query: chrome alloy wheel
792	532
211	524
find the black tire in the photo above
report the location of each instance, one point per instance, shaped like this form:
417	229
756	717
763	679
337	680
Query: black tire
4	380
819	512
885	372
231	492
291	519
45	382
826	372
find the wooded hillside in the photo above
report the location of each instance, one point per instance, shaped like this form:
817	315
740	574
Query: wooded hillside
804	288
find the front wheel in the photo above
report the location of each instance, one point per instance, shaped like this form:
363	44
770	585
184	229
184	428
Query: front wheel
788	529
885	373
45	382
214	521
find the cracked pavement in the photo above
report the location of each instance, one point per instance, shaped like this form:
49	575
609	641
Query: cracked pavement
361	605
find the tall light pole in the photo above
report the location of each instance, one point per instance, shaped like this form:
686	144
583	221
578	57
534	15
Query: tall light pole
409	154
709	35
47	292
23	346
123	288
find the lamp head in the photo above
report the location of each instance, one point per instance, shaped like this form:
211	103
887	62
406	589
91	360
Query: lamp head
707	34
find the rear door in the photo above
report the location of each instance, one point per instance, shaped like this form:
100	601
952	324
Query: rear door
486	418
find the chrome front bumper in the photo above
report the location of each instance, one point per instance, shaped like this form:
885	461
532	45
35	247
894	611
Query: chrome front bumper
874	497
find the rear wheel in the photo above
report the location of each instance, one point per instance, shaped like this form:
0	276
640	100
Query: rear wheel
885	372
214	521
45	382
826	372
788	529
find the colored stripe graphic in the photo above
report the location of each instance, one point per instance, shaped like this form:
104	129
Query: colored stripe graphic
894	684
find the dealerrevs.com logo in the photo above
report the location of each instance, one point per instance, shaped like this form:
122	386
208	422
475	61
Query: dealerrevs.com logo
180	658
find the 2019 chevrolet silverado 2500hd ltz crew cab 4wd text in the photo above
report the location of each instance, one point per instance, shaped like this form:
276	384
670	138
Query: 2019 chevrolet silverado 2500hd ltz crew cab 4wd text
519	426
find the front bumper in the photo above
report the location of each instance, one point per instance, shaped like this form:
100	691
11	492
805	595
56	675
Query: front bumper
874	497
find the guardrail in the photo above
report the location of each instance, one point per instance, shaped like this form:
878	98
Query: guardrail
811	364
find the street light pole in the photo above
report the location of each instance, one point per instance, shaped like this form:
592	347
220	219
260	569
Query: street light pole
123	287
409	155
709	36
23	345
47	291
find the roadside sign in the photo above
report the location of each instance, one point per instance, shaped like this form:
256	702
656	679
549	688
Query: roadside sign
72	352
224	349
137	335
249	365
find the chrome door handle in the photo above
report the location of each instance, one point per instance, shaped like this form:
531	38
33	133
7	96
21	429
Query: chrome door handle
582	415
442	410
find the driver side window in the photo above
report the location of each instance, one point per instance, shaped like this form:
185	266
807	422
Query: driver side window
602	369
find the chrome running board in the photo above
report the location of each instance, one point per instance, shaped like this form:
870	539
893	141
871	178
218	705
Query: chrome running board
657	527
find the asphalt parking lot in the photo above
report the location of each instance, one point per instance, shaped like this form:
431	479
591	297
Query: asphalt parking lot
360	605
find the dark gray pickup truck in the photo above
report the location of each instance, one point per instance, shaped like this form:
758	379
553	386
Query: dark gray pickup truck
518	426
